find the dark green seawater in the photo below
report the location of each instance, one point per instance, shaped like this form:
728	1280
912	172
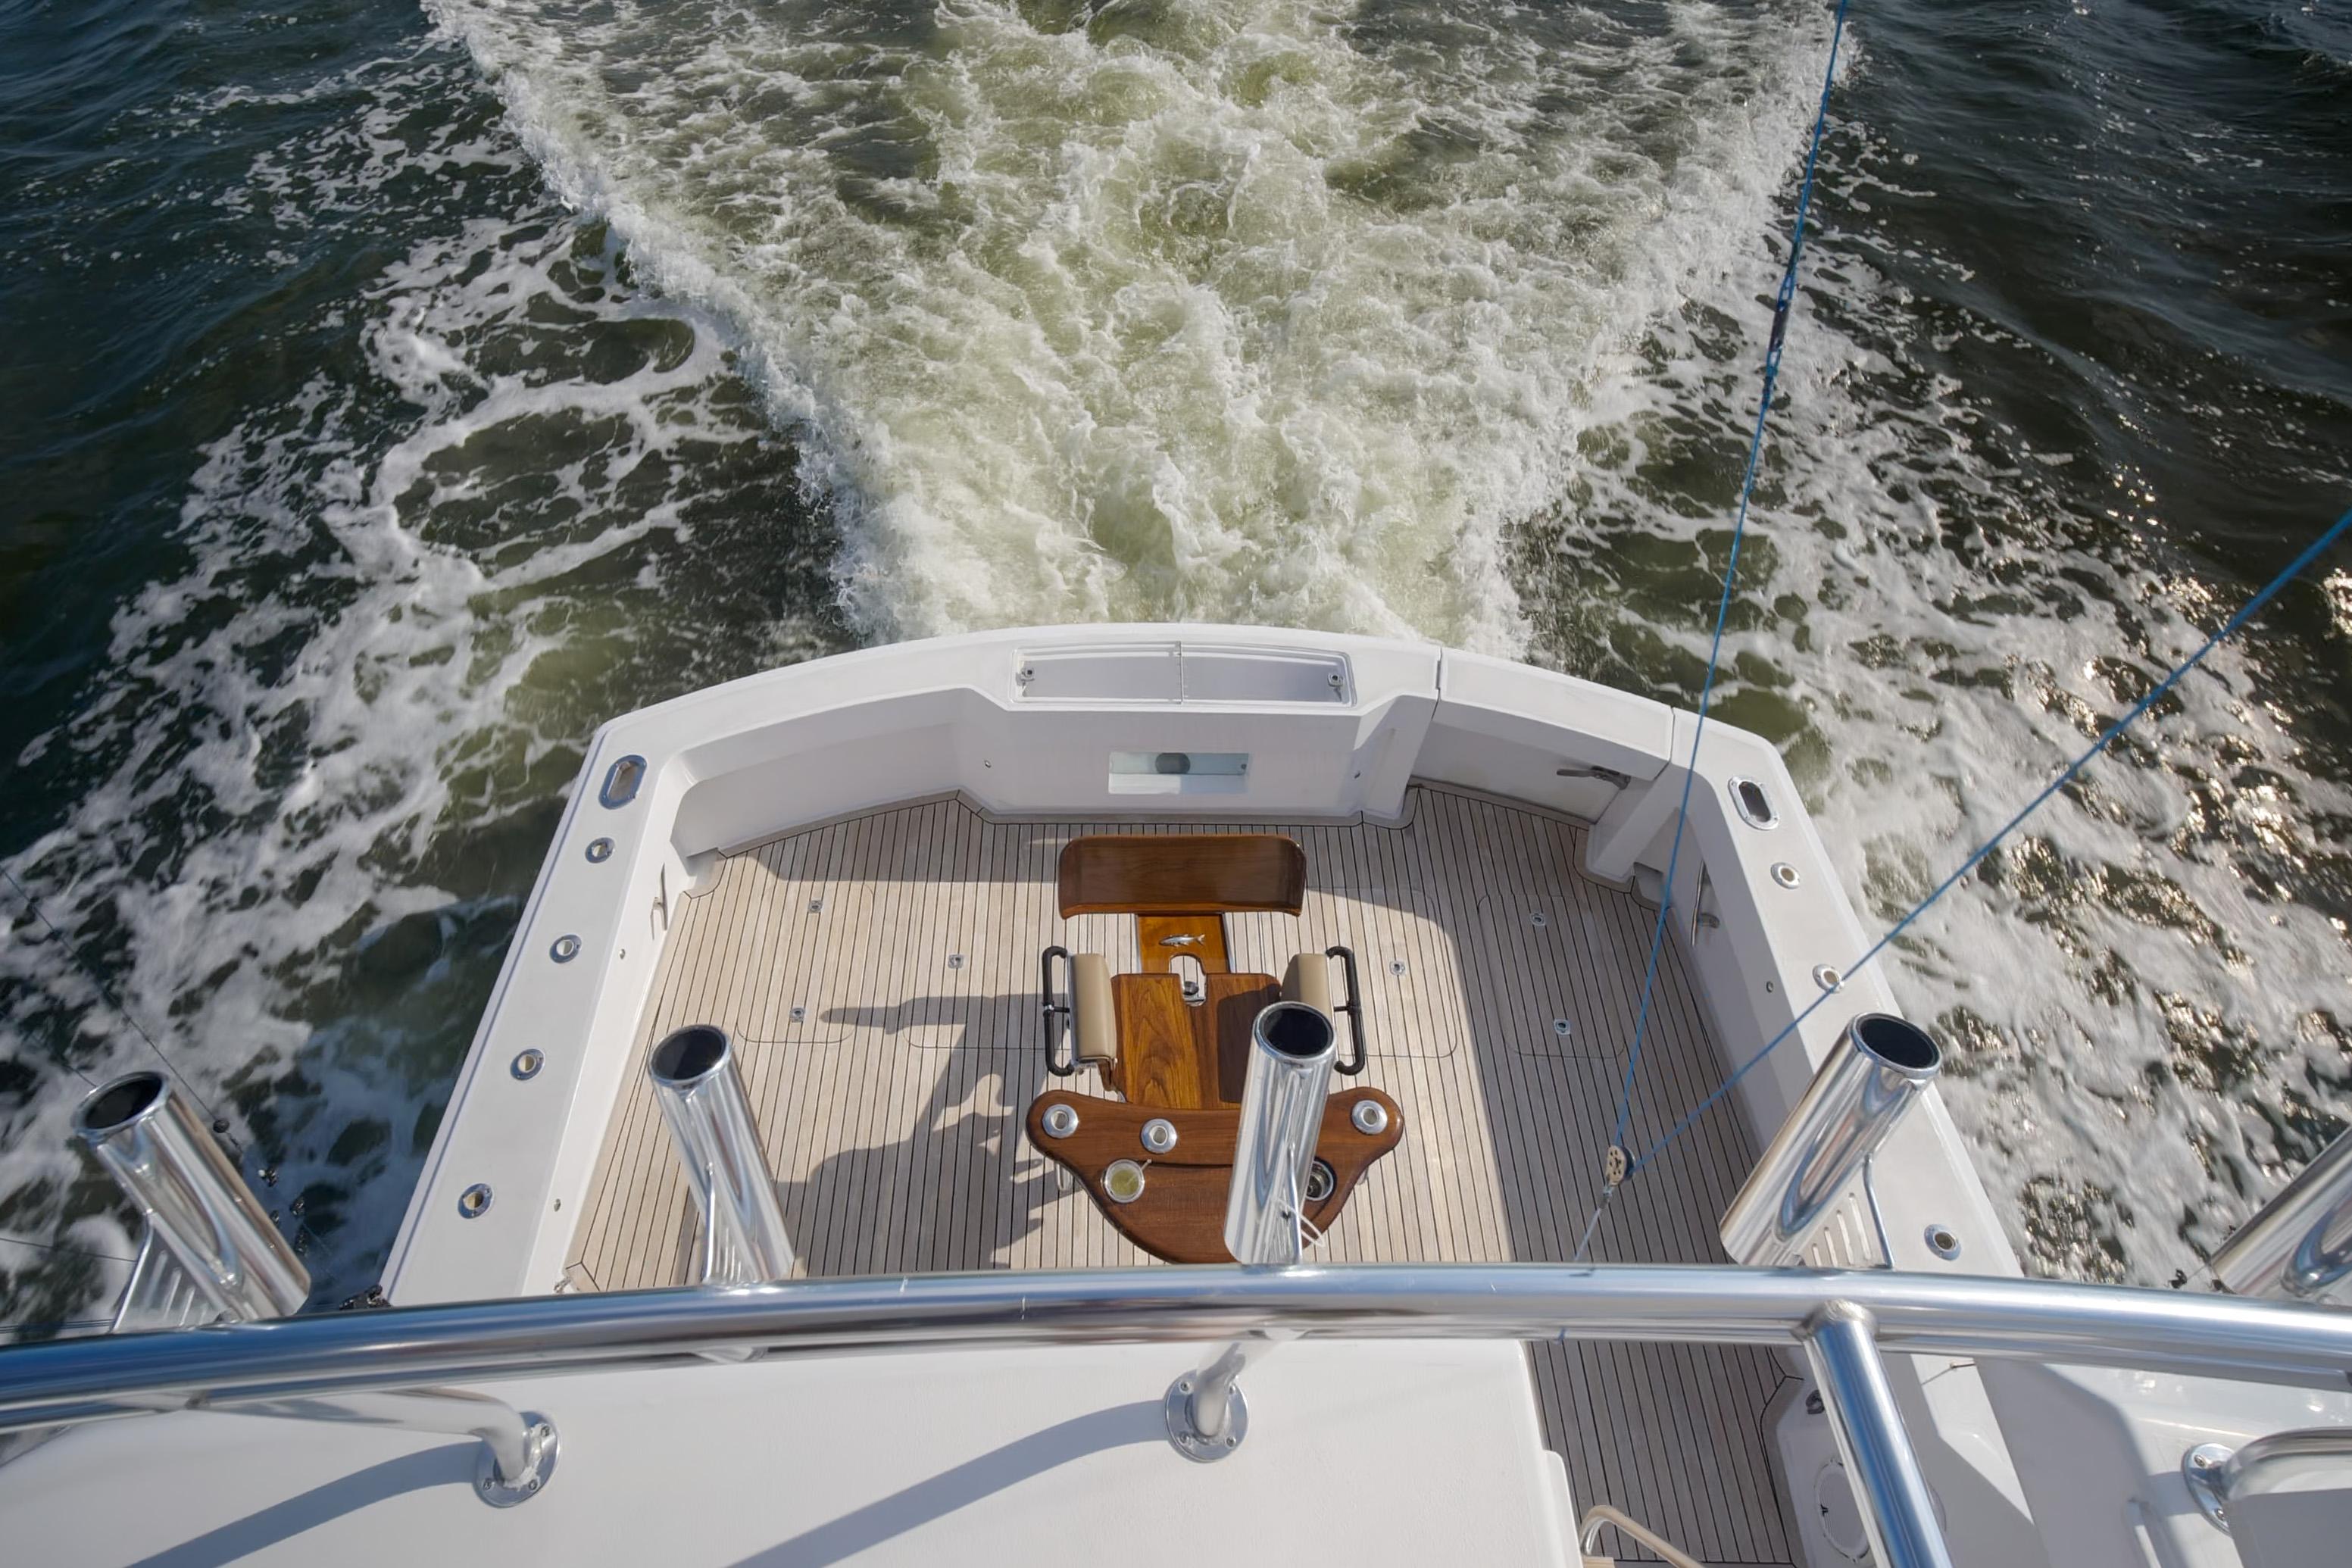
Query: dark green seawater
389	397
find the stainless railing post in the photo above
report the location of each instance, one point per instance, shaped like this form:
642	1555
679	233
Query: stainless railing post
2298	1246
197	1206
702	1098
1854	1101
1898	1512
518	1448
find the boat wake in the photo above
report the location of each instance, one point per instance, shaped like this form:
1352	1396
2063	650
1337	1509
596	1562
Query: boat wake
1231	310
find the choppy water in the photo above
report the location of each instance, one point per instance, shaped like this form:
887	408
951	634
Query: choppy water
390	397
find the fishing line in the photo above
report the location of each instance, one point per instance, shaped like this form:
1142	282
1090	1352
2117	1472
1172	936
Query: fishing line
1615	1171
68	1251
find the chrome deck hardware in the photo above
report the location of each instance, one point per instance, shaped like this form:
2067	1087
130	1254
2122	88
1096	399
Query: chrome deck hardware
1854	1101
2218	1474
2298	1246
215	1240
701	1097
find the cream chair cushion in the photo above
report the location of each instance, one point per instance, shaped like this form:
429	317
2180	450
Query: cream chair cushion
1308	980
1094	1025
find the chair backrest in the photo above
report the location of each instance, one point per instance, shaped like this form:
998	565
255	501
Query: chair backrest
1182	873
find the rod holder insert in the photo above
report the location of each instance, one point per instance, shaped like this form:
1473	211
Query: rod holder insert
1861	1091
701	1097
2298	1246
1292	1048
197	1206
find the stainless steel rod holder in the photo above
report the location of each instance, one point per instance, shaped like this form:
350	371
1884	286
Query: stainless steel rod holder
1292	1048
1899	1513
2298	1246
1879	1067
701	1097
196	1205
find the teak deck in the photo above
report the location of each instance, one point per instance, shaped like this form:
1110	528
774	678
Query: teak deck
880	977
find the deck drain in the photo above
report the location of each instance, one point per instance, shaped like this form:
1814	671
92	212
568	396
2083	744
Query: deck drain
599	851
800	1014
564	949
528	1063
475	1201
1538	920
816	906
1396	966
955	960
1562	1027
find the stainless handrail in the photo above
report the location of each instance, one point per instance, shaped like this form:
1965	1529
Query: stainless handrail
519	1448
2218	1476
1972	1315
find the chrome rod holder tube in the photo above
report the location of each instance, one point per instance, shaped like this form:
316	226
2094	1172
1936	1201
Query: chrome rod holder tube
196	1205
1292	1048
2298	1246
2218	1474
1879	1067
701	1097
1899	1513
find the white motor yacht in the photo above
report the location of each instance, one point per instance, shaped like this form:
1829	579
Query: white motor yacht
1168	1094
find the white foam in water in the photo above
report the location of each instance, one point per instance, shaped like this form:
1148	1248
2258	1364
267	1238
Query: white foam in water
1233	310
348	676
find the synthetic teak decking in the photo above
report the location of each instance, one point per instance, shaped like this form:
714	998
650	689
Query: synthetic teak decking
880	977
